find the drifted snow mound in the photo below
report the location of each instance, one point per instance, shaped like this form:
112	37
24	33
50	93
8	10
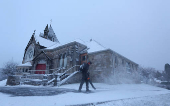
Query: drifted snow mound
3	82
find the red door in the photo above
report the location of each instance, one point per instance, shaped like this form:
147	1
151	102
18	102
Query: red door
40	67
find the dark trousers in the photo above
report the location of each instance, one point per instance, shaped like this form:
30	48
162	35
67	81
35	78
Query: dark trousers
81	84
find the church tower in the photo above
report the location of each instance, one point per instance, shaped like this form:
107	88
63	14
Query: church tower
49	34
46	32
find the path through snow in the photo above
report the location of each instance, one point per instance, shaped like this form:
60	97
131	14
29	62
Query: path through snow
118	95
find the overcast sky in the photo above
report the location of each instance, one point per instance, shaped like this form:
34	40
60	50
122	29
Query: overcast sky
136	29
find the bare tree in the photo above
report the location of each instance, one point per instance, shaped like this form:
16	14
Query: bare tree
9	68
2	76
148	75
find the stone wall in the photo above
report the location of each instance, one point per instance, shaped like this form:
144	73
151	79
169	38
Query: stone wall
106	63
102	65
70	52
13	80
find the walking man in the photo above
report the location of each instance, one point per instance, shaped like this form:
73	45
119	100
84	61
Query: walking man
84	69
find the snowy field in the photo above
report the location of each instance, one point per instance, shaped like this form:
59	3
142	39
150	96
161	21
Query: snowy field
105	95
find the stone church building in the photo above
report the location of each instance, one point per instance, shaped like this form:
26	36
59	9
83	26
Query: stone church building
46	59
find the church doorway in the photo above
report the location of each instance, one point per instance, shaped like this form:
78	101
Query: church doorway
40	68
83	58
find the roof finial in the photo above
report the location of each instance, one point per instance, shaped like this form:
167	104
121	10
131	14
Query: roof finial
50	21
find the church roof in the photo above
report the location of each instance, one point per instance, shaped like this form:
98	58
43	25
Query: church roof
44	42
58	44
79	41
27	64
94	46
42	52
54	46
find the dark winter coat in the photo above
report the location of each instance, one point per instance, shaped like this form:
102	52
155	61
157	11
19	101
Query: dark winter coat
84	69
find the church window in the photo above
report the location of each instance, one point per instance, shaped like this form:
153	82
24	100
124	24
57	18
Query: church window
135	67
128	67
132	67
61	60
65	60
123	62
116	62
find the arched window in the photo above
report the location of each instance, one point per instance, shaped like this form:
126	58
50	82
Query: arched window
128	67
116	62
65	60
123	62
61	60
132	67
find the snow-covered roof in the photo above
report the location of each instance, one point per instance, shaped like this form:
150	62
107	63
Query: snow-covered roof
94	46
58	44
25	64
41	34
54	46
79	41
44	42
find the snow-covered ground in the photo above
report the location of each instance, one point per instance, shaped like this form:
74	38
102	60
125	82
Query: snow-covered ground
105	95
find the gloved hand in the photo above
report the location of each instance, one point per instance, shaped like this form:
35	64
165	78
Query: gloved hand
88	78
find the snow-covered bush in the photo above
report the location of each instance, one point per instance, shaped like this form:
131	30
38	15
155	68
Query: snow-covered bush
149	75
1	75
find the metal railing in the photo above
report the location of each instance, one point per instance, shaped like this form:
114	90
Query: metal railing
64	77
69	70
33	71
50	77
58	69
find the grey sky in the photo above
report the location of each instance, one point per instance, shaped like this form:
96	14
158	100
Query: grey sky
136	29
